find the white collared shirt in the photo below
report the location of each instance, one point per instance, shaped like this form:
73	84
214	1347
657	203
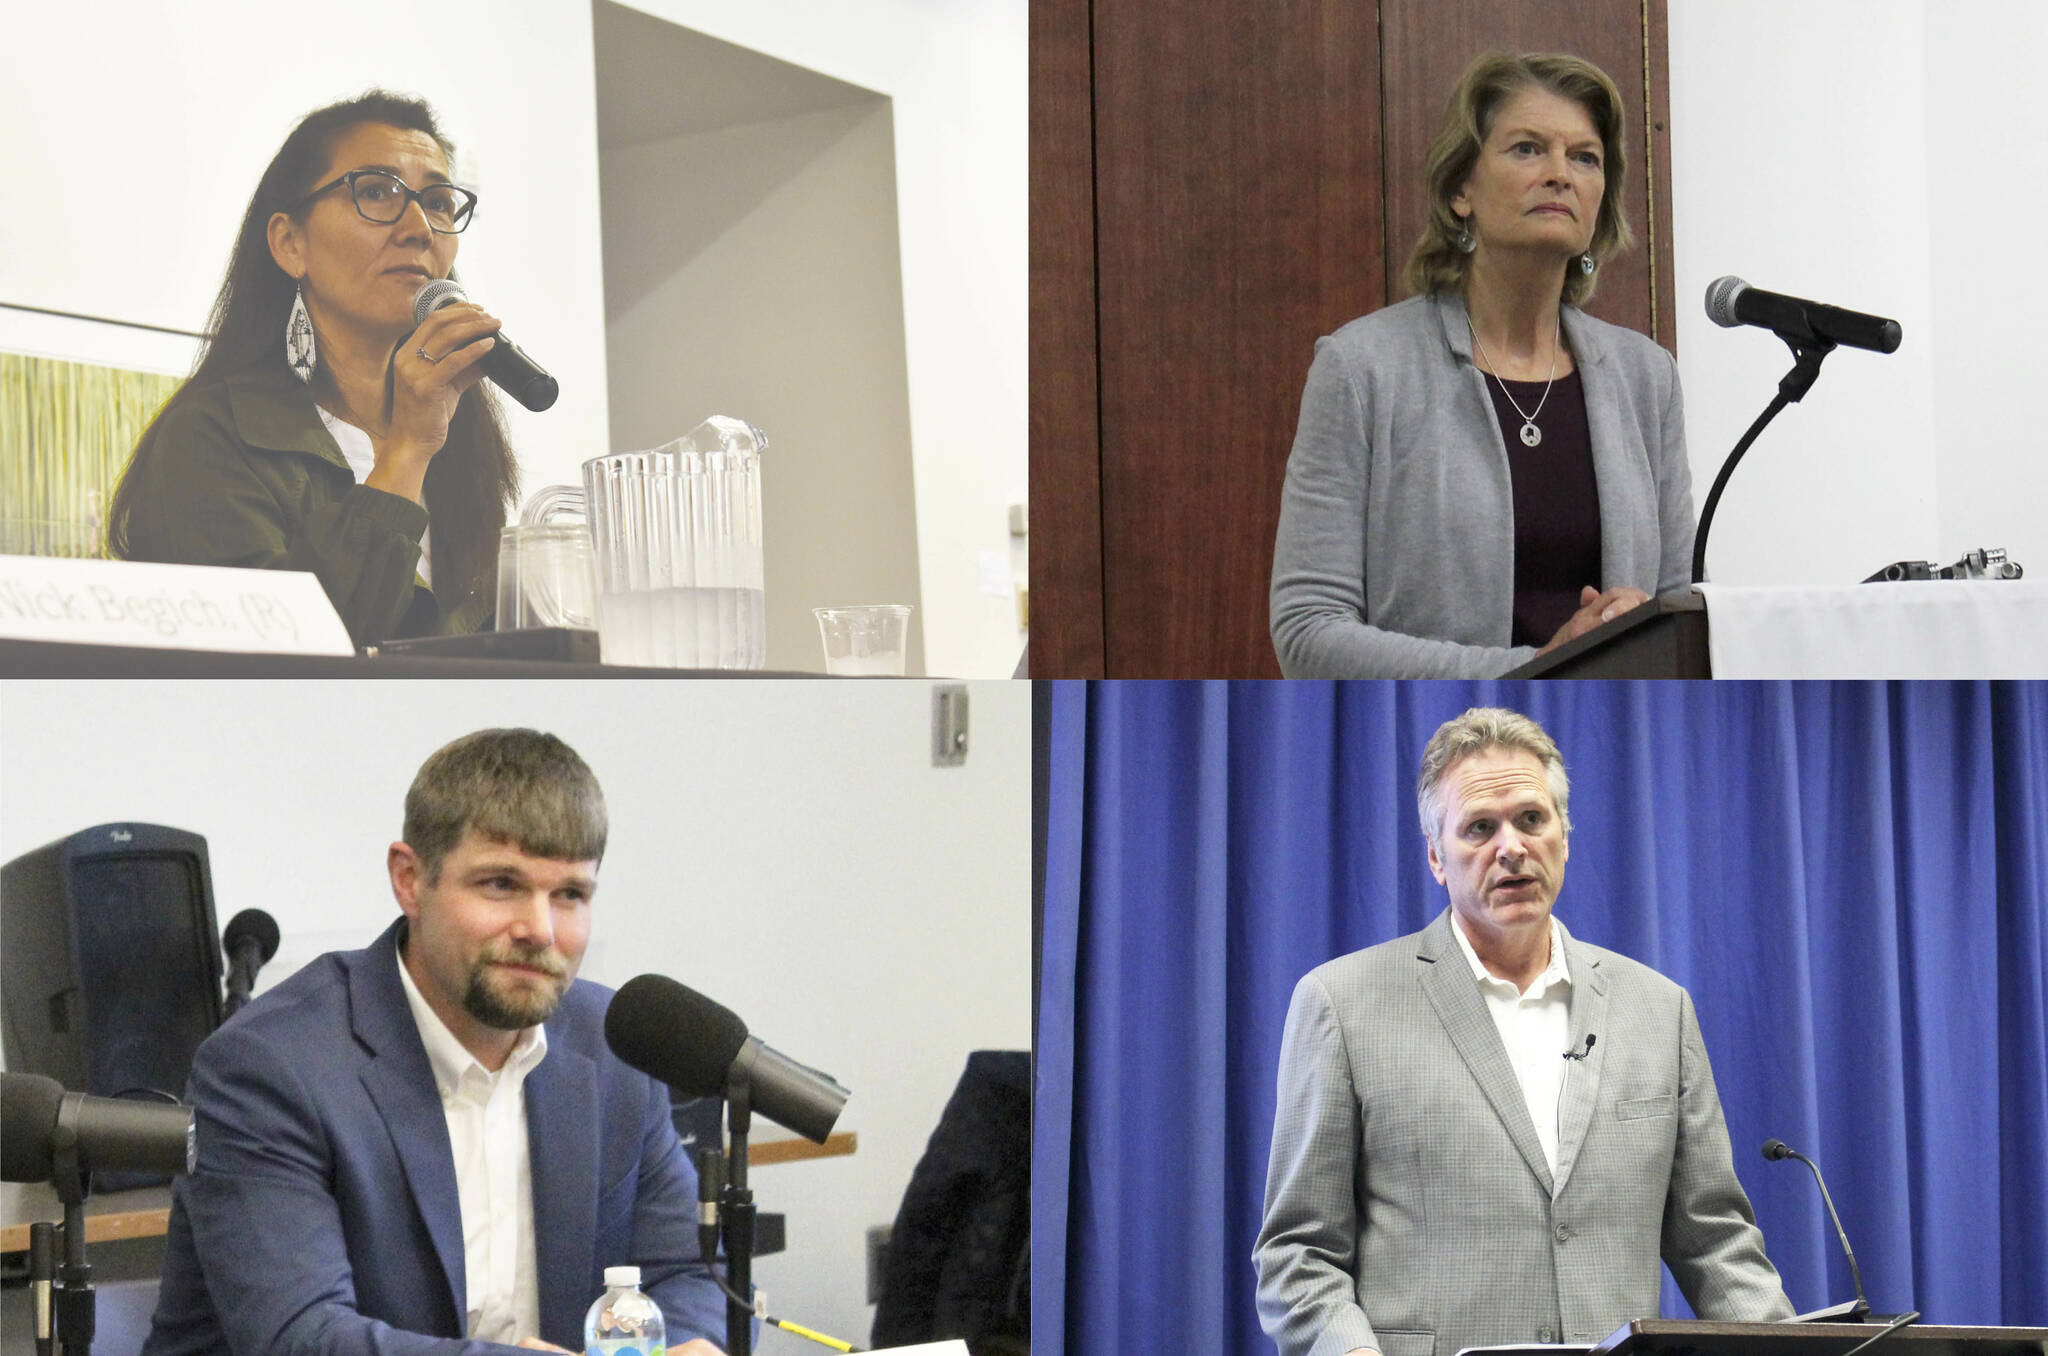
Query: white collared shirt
493	1172
1536	1028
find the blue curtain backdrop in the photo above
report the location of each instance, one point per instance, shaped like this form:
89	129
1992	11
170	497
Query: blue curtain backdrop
1851	879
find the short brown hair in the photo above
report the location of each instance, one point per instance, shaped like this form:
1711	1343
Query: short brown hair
512	786
1438	265
1477	730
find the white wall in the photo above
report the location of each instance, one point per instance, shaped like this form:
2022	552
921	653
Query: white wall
955	73
786	848
752	268
1985	191
139	130
1864	153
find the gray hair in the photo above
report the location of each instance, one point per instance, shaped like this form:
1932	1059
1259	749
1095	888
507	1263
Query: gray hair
1479	729
512	786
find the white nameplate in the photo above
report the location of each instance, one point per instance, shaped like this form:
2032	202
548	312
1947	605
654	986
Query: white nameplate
167	607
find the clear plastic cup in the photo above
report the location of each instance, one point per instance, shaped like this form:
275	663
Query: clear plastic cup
865	641
547	576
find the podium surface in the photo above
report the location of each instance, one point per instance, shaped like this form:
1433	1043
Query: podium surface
1693	1337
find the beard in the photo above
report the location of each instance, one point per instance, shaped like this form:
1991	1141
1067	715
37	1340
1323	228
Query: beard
506	1004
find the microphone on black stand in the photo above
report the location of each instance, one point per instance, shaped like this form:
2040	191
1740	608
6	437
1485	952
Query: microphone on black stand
1732	302
50	1135
1812	331
250	941
1850	1311
701	1048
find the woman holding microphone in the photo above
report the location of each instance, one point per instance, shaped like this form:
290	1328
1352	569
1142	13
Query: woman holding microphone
320	430
1483	472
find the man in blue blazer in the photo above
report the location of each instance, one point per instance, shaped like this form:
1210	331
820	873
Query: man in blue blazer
426	1145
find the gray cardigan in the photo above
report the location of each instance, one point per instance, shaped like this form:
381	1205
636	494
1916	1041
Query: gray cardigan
1395	555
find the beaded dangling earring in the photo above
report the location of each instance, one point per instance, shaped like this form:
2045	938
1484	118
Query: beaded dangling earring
298	337
1586	262
1463	239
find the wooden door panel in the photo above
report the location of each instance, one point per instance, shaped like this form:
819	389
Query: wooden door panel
1238	218
1066	454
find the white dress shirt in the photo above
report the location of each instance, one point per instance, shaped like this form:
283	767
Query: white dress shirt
493	1172
1535	1026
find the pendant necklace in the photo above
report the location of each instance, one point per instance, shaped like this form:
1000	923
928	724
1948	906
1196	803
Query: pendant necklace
1531	435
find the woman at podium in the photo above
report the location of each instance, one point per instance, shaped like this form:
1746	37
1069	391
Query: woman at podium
1483	471
320	430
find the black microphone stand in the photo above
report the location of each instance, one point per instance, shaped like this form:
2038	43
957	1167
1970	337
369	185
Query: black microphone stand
1807	352
736	1218
75	1311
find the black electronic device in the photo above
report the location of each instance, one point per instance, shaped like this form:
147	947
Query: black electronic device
561	644
110	963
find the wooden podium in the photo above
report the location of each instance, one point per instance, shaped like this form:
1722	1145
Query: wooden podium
1690	1337
1664	638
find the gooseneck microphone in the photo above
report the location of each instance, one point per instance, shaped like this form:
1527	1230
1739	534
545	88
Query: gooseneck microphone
1732	302
250	941
1775	1149
702	1048
40	1123
506	364
1812	331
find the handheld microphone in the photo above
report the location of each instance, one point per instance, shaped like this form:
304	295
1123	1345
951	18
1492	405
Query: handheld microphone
110	1133
1775	1149
702	1048
1581	1054
506	364
1732	302
250	941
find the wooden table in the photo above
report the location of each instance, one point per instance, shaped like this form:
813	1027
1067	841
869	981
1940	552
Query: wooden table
147	1213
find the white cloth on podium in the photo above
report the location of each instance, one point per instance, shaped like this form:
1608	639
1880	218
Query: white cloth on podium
1931	628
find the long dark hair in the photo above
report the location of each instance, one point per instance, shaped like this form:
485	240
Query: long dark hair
470	480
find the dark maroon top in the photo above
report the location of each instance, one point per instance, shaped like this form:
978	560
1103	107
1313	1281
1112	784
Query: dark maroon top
1557	505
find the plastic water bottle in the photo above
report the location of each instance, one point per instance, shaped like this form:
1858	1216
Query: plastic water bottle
624	1322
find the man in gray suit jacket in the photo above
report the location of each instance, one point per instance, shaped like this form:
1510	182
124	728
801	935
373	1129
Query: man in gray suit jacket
1489	1131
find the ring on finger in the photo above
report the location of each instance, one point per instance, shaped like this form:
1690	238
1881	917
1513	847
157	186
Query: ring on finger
424	355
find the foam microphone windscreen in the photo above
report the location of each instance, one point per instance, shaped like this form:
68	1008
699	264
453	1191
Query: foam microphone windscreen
674	1034
251	925
28	1116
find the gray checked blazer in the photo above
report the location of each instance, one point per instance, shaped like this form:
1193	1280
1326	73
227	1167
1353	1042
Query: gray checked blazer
1408	1204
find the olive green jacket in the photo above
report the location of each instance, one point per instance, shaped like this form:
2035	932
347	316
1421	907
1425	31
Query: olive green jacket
243	473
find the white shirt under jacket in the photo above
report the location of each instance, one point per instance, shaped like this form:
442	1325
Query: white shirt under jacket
1535	1026
493	1172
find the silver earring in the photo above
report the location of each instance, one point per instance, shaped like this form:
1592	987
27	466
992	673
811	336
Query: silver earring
298	337
1586	262
1463	239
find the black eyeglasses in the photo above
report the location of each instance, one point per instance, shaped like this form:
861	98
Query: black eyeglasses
383	198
